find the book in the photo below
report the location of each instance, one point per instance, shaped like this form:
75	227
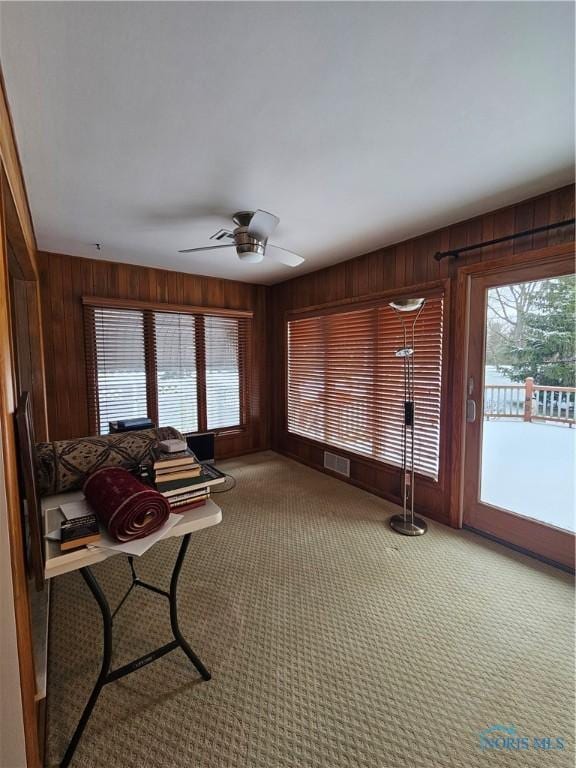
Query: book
168	494
187	502
161	461
180	468
173	446
190	495
191	505
180	475
79	532
180	486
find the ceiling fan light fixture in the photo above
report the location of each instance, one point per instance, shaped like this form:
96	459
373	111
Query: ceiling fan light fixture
250	238
251	257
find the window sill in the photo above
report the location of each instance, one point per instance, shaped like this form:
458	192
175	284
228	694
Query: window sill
221	433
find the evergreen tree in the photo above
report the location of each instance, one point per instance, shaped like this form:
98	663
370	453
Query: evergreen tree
547	347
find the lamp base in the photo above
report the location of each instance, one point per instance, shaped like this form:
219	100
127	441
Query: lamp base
406	527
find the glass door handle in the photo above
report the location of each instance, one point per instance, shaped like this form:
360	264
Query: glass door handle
470	411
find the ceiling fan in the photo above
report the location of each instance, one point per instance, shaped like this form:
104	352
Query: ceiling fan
250	238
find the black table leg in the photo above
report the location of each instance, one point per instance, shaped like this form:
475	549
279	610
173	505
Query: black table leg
174	611
106	675
90	579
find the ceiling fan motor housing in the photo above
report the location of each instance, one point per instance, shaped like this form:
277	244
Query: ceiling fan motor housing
248	248
247	244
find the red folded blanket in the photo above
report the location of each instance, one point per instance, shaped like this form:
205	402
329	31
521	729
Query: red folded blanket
128	508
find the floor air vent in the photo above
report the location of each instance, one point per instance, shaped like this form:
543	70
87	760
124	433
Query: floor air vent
337	463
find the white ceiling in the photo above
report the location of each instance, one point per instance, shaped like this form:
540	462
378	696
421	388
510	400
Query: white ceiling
144	126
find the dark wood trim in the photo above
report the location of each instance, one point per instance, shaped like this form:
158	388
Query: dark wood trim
151	367
426	290
549	254
546	541
96	301
459	356
90	370
200	331
42	719
245	370
17	200
9	458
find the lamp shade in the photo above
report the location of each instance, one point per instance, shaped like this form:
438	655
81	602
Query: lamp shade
407	305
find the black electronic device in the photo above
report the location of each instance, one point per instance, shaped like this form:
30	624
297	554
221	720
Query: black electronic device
202	446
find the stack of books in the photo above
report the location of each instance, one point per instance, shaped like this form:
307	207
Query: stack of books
178	477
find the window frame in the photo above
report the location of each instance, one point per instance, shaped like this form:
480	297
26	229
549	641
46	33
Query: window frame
432	289
149	309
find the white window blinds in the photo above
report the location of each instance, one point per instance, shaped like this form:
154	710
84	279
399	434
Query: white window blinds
225	341
117	359
181	369
345	384
176	377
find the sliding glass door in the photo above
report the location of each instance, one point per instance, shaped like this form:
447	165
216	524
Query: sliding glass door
521	428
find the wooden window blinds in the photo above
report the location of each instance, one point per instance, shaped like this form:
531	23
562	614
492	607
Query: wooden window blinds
346	386
187	370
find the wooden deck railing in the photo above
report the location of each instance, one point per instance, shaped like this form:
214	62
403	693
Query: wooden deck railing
530	402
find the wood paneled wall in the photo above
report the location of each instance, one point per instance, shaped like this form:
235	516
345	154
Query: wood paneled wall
63	282
28	356
406	264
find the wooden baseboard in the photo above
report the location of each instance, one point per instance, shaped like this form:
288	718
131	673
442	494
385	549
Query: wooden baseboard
41	712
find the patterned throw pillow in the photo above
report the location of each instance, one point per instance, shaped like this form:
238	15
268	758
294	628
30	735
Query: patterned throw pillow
64	465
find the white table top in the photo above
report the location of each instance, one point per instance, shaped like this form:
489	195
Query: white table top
57	562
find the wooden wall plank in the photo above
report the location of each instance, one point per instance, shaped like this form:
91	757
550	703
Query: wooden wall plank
28	356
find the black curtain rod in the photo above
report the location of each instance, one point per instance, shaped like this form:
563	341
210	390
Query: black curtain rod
457	251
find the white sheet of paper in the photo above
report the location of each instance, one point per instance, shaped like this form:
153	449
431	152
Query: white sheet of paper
139	546
73	509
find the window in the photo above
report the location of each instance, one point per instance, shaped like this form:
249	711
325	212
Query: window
182	369
121	371
176	378
225	348
345	384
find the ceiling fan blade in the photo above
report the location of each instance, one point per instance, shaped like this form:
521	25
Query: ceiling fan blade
282	256
262	224
209	248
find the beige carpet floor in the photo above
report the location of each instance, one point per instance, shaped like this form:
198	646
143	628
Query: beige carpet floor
332	642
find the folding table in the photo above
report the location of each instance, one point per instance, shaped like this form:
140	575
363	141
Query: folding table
58	563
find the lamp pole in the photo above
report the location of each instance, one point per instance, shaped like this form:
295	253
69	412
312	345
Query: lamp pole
408	311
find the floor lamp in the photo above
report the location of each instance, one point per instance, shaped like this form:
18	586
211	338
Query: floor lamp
408	312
